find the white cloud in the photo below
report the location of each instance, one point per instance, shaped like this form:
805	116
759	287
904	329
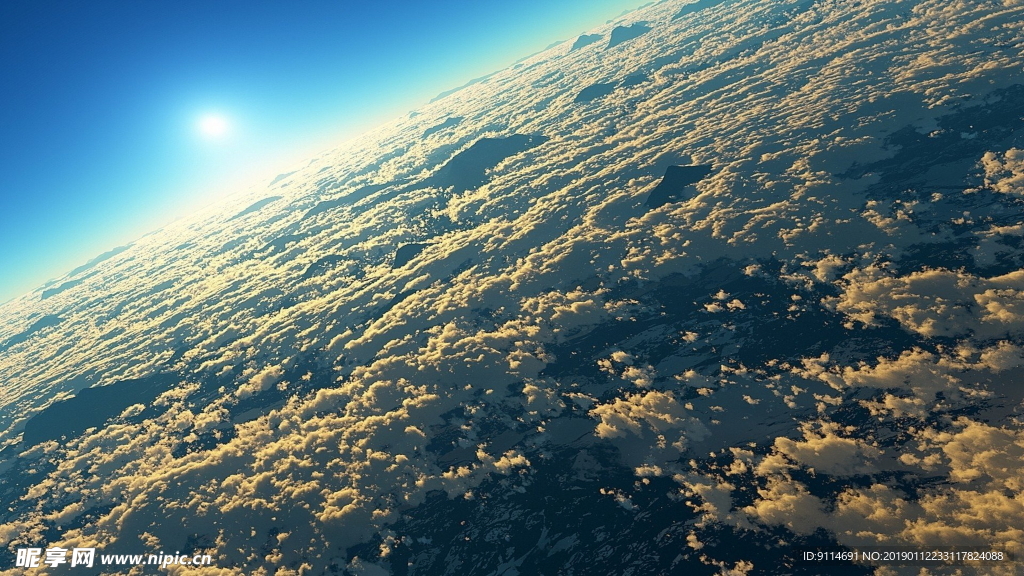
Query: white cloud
1005	172
557	245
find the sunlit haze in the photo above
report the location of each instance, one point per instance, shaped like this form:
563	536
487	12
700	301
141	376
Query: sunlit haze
213	126
413	288
121	117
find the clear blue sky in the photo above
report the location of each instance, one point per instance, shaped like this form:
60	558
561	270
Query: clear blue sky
100	100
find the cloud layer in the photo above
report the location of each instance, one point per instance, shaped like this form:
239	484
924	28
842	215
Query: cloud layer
819	333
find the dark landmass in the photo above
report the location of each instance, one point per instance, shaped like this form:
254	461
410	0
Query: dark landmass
92	407
633	80
622	34
677	179
962	136
255	206
65	286
696	7
44	322
105	256
380	161
450	122
350	198
585	40
466	85
160	287
468	169
602	89
566	523
280	177
595	91
280	244
322	266
406	253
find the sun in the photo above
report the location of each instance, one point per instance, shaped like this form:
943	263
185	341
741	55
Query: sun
213	126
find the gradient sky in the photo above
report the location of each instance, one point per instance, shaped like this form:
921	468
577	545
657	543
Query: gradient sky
100	101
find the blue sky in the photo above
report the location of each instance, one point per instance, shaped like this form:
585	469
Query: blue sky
100	101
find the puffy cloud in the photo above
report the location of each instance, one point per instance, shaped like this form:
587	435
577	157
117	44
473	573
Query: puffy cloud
1005	172
826	451
260	382
789	504
936	302
653	411
556	245
981	455
542	397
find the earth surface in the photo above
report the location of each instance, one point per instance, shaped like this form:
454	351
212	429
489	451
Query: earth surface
705	286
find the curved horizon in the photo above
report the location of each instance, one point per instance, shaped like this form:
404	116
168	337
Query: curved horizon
104	103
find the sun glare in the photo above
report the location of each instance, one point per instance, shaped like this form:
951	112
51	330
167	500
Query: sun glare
213	126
